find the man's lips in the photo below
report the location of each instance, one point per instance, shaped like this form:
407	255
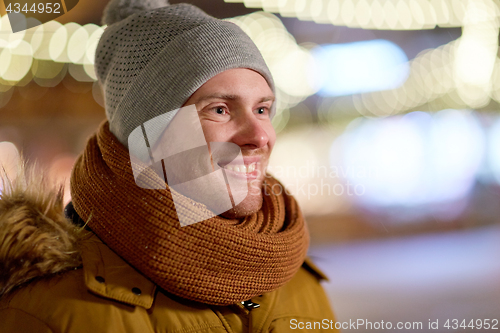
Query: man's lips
245	161
248	167
241	168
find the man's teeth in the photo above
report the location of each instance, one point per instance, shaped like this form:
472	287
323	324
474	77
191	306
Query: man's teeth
241	168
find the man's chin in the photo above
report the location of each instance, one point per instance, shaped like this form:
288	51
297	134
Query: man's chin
249	206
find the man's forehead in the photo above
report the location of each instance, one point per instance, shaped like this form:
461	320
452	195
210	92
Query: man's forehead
232	97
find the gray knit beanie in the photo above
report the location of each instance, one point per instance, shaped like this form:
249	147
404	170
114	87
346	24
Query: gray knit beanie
153	56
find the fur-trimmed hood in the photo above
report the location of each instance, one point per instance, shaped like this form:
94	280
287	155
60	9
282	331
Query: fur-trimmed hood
36	239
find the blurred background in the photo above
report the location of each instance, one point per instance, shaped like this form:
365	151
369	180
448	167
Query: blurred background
388	135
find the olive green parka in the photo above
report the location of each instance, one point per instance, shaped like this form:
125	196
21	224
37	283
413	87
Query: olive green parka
100	292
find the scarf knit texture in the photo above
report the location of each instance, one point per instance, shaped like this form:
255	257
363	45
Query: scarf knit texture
218	261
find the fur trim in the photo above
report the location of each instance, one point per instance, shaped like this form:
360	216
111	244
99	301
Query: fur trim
36	239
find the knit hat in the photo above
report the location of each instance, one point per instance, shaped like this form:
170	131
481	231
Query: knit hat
153	56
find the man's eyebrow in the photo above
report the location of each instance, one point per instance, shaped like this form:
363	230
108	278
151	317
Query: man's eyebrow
217	96
231	97
267	99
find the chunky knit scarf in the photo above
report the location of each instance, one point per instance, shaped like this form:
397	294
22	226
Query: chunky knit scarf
218	261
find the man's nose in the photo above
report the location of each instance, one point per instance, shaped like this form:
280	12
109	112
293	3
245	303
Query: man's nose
250	132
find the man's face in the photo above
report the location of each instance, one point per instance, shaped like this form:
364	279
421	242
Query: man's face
234	106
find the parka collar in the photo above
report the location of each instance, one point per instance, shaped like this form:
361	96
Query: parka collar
109	276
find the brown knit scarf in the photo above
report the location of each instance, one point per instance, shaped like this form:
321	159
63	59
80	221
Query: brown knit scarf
218	261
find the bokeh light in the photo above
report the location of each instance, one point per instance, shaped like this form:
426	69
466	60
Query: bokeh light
494	149
77	45
42	39
60	173
15	61
9	162
346	69
371	14
281	54
305	173
415	159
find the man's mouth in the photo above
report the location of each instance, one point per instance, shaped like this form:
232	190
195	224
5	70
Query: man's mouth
241	168
244	168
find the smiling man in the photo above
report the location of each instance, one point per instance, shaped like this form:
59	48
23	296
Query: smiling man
184	230
235	106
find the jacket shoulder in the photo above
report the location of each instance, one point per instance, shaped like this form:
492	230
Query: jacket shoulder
34	304
64	304
304	294
303	300
15	320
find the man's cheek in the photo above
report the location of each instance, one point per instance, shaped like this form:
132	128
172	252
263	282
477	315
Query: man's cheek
271	134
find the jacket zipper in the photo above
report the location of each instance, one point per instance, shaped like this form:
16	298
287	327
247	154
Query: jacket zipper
247	307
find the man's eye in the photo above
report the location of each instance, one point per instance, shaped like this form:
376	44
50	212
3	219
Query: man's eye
220	110
262	110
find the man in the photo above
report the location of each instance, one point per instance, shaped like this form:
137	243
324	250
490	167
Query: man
156	255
